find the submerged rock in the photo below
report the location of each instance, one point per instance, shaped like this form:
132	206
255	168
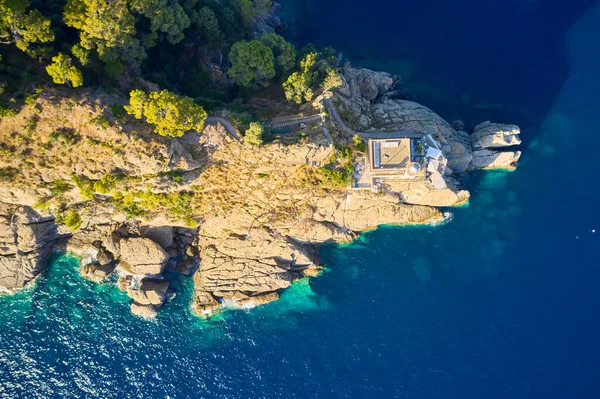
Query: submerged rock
26	240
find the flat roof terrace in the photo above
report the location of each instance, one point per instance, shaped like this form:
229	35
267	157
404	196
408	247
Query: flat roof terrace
389	153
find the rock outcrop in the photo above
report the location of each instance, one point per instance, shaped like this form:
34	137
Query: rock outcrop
246	261
260	212
487	137
143	256
149	297
366	101
26	241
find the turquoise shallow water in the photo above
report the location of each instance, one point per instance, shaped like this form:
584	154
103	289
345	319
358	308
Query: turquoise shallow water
501	302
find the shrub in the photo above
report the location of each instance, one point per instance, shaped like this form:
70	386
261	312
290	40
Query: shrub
73	220
359	143
85	186
8	174
174	175
31	124
118	111
100	121
60	187
254	134
65	136
6	112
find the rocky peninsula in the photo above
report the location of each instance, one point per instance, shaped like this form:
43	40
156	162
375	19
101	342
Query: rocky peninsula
244	221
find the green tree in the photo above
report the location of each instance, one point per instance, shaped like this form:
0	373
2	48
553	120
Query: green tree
21	27
208	23
81	54
262	7
298	86
62	71
173	115
332	80
246	11
252	63
73	220
284	52
107	27
166	16
254	134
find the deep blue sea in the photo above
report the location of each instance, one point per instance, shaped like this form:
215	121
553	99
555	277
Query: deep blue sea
502	302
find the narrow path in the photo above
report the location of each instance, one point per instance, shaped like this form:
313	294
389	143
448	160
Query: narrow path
336	116
228	126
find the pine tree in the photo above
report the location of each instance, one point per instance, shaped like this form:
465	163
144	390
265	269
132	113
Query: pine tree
173	115
252	63
62	72
21	27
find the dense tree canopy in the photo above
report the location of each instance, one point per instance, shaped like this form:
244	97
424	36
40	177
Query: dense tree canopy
298	86
252	63
22	27
166	16
62	72
209	24
173	115
106	27
284	52
261	7
316	70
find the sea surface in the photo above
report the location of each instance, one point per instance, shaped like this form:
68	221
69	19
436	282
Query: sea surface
502	302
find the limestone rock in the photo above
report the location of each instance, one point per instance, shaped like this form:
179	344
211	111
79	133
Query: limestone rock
488	159
250	301
97	271
162	235
104	257
143	255
146	311
26	240
495	135
458	151
151	292
361	83
204	304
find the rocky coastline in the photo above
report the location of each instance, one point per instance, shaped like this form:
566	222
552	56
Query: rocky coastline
252	225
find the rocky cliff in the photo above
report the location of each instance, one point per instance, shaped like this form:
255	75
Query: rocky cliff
243	221
26	240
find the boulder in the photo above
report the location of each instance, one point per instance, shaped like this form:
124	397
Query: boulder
143	255
162	235
458	152
362	83
204	304
151	292
495	135
146	311
97	271
488	159
26	241
104	257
